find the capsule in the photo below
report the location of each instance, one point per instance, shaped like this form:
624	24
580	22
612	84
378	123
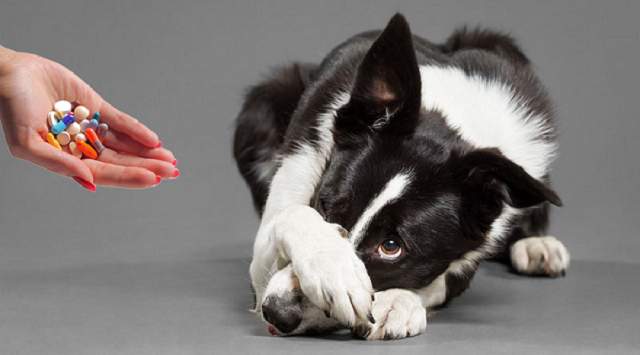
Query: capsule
102	131
95	141
52	140
63	124
83	125
86	149
96	116
93	124
74	150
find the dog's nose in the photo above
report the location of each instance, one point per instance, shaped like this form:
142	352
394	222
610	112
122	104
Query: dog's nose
284	313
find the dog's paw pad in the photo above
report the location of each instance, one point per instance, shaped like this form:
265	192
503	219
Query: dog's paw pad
398	314
540	256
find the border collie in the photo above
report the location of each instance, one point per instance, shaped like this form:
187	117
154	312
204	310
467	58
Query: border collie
386	173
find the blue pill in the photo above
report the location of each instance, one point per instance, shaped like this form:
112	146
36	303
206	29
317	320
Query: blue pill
63	124
93	124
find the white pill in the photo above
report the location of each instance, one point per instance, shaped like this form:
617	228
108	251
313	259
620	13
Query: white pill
74	150
81	113
63	138
81	137
51	119
64	106
83	125
73	128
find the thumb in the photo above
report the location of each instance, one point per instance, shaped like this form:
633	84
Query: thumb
61	163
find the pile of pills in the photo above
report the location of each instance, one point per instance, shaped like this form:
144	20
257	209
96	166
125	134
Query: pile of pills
70	125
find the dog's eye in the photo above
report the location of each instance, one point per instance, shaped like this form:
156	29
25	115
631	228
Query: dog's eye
389	249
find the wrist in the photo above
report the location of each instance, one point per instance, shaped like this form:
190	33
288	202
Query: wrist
7	60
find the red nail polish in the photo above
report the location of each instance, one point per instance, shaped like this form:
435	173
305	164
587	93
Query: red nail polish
158	179
175	162
159	145
84	183
176	173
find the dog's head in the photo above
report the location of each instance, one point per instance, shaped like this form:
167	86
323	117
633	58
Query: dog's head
413	195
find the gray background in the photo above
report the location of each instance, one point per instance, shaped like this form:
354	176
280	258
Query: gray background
165	270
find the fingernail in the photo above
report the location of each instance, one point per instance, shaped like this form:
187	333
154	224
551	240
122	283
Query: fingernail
84	183
176	173
175	162
158	179
159	145
370	318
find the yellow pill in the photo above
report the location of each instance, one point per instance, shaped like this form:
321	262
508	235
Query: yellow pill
52	140
59	114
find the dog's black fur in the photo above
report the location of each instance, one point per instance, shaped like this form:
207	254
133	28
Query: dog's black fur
382	131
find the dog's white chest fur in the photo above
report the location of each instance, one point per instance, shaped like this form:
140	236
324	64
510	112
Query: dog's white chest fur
488	114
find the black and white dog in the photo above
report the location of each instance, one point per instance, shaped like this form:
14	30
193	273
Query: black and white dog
385	174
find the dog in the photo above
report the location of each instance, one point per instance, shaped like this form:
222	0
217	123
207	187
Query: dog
385	174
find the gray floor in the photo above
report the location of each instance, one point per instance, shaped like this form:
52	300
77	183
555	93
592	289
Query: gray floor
164	270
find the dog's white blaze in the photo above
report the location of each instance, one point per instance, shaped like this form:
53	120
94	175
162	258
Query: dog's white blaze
488	114
391	191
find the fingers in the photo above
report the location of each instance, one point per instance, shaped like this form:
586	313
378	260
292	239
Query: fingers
121	176
116	119
57	161
124	144
160	168
128	125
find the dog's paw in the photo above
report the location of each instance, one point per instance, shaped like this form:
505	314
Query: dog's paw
330	273
398	314
540	256
338	283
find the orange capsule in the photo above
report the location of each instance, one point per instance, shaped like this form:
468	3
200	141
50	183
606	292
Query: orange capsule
52	140
86	149
95	141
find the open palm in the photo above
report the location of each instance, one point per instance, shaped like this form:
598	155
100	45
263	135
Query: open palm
30	85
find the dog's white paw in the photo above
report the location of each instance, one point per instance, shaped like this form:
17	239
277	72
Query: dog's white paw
330	273
338	283
540	256
398	314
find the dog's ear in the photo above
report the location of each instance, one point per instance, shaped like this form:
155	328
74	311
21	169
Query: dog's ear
489	179
387	81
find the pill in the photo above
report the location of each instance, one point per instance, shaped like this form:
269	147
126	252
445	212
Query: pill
75	104
63	138
52	140
102	131
74	150
52	119
93	138
81	113
59	114
73	128
93	124
86	149
83	125
63	105
80	137
96	116
63	124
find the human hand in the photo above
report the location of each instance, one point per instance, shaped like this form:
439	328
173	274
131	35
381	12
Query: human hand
30	85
